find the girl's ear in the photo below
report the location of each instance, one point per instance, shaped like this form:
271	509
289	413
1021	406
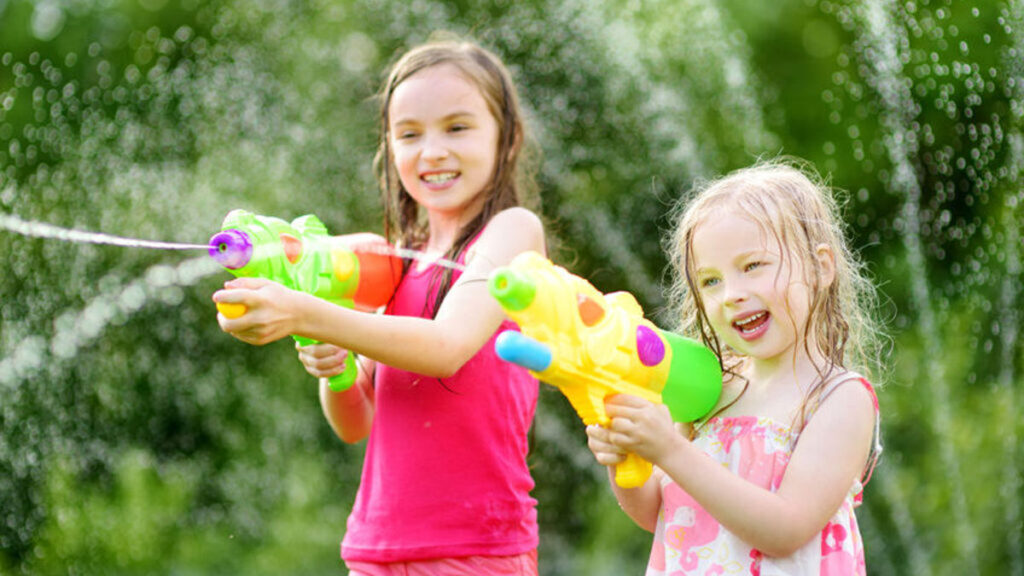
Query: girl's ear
826	265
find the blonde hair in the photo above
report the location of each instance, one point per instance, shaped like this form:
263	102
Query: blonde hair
799	211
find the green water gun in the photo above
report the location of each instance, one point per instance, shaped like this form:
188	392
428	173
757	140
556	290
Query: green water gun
350	270
590	346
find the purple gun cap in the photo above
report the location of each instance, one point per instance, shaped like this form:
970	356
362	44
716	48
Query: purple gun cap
649	346
231	248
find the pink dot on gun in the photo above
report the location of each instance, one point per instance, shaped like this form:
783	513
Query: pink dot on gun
649	346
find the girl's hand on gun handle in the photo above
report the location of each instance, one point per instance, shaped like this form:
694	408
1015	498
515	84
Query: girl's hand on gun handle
322	360
636	426
606	453
257	310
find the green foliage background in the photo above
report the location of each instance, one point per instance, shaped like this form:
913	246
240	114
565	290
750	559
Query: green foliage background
136	438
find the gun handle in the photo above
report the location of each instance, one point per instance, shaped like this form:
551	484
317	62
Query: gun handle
338	382
633	472
345	380
231	310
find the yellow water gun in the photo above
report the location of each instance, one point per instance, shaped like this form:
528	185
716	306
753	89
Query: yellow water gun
592	345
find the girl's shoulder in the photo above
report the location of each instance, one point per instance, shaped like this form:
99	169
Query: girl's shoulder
516	218
510	232
843	390
849	385
847	399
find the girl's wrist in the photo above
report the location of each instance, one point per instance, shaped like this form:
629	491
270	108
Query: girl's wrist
300	310
676	447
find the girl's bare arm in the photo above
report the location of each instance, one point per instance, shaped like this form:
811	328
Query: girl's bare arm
439	347
828	458
350	412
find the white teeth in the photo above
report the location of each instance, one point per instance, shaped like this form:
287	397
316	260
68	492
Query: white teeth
741	324
440	178
750	319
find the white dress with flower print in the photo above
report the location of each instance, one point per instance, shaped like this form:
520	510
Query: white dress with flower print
688	541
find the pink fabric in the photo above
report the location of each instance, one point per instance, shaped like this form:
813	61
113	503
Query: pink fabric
519	565
445	474
688	540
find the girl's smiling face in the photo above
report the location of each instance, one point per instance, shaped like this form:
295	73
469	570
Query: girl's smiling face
752	288
444	140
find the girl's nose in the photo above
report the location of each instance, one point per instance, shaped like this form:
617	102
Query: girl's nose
735	292
434	149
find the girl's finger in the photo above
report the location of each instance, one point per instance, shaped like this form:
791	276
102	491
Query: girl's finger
235	326
329	351
597	431
320	350
606	459
333	371
330	363
235	293
626	401
624	406
620	424
246	282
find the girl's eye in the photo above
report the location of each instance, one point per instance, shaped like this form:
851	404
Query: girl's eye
458	128
752	265
708	282
405	135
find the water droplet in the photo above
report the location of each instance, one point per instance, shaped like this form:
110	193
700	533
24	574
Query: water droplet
47	20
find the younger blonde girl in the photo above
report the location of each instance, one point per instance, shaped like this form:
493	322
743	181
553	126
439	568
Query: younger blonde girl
768	483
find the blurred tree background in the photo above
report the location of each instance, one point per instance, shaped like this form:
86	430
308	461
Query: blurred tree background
136	438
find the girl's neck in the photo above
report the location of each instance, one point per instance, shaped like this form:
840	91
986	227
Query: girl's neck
442	237
791	370
444	229
771	390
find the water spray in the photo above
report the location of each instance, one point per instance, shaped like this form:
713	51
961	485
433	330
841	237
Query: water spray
43	230
355	270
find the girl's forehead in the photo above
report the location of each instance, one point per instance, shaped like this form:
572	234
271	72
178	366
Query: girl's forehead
728	222
438	89
726	233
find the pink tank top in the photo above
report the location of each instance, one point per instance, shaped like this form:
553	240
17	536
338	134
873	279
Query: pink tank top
445	473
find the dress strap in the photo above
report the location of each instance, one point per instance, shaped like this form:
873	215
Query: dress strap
876	439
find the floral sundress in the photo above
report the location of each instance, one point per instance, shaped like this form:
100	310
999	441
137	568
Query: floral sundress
689	541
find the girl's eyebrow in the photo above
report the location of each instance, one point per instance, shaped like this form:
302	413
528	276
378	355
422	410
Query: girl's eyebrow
759	253
447	118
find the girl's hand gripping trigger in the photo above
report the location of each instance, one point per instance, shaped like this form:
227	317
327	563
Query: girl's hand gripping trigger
301	256
337	382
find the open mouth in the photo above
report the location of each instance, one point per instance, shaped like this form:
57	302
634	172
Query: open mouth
753	325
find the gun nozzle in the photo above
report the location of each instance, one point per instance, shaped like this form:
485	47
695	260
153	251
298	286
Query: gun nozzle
514	291
231	248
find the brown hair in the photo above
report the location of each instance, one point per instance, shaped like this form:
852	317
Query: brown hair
403	222
799	211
